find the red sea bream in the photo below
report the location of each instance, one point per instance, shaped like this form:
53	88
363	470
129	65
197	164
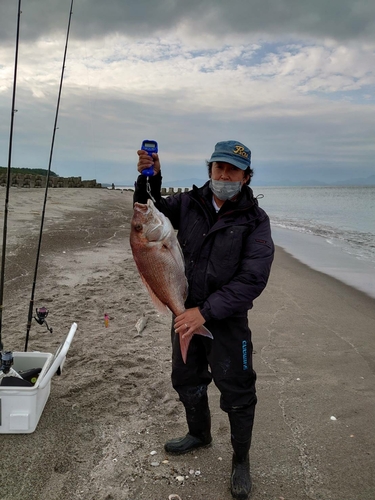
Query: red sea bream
160	263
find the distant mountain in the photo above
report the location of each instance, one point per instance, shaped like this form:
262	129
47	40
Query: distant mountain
363	181
176	183
288	182
182	183
367	181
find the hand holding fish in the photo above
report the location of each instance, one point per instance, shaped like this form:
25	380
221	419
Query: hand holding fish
189	321
145	161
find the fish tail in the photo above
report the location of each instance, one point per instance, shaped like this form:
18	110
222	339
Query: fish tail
184	346
185	340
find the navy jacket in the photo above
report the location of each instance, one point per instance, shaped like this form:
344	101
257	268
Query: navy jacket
228	255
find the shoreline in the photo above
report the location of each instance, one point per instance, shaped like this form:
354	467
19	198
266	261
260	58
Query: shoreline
113	406
317	253
328	278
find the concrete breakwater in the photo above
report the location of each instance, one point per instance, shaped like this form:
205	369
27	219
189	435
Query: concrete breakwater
34	181
164	191
171	190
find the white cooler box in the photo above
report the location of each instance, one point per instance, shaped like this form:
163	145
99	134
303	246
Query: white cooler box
21	407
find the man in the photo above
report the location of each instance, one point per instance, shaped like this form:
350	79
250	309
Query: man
226	241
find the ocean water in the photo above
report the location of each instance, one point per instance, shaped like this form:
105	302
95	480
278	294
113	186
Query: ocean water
331	229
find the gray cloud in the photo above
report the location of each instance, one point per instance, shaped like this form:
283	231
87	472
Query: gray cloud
99	139
338	19
306	109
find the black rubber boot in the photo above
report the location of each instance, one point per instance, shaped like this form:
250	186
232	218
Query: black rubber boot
199	422
182	445
240	480
241	423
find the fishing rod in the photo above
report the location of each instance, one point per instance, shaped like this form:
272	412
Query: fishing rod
5	227
42	312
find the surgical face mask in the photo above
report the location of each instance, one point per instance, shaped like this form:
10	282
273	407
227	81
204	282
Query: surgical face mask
225	190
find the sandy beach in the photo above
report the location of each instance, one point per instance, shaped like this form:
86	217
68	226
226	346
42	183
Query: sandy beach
102	432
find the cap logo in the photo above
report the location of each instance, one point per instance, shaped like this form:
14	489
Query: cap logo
240	150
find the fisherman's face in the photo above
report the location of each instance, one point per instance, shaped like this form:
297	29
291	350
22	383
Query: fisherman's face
222	171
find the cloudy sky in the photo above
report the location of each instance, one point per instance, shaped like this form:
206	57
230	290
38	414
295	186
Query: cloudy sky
292	79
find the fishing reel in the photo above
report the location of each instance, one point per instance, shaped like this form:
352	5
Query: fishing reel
6	360
41	314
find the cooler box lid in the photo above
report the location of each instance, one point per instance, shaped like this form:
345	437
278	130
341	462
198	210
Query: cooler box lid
51	367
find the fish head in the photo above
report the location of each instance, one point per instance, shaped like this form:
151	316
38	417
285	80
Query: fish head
149	224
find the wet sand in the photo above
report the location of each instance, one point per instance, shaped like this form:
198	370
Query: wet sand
113	405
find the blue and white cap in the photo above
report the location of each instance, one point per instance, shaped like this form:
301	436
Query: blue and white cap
232	152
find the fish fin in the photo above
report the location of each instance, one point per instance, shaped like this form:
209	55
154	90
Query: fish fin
184	346
162	308
185	340
205	332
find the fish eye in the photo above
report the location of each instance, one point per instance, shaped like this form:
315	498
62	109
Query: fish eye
138	227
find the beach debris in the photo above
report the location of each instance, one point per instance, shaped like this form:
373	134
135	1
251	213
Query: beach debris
193	472
141	324
333	417
155	464
106	320
160	263
180	479
174	497
153	452
165	462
